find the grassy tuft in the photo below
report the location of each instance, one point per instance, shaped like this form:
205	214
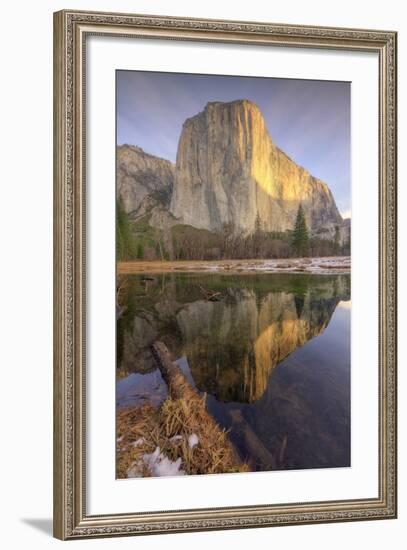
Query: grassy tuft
169	428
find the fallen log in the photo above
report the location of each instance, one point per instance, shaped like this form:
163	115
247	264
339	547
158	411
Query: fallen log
178	385
214	439
259	454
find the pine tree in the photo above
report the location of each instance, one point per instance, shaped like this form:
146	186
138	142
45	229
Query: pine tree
336	241
300	236
257	237
140	251
125	243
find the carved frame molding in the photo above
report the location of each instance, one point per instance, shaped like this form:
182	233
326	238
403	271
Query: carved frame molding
70	31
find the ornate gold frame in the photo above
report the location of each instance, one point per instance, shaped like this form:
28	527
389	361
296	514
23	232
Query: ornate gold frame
70	31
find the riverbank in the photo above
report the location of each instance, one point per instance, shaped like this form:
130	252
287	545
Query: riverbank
325	265
178	438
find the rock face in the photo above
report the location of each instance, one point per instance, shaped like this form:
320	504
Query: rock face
328	232
229	171
144	182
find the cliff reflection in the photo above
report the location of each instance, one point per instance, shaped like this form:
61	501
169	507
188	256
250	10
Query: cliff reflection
232	348
231	345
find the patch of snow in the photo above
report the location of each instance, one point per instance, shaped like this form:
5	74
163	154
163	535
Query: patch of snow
159	465
193	441
119	439
135	469
318	265
176	438
138	442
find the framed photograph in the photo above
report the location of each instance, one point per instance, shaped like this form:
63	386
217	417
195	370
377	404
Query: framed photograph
225	274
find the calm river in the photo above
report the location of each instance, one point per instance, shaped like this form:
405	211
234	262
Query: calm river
271	351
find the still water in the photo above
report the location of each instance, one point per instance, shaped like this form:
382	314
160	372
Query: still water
271	351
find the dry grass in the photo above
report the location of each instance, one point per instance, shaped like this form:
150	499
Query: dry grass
152	428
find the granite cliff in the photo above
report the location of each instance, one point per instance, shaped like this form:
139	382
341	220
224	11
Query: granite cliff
229	171
144	182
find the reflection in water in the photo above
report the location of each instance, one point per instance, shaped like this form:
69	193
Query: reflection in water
272	354
242	342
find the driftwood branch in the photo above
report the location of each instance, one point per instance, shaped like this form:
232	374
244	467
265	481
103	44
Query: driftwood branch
211	296
178	385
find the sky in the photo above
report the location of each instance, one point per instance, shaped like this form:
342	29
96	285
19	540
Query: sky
308	119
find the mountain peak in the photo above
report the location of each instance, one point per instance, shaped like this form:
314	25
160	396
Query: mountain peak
229	172
236	102
216	108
